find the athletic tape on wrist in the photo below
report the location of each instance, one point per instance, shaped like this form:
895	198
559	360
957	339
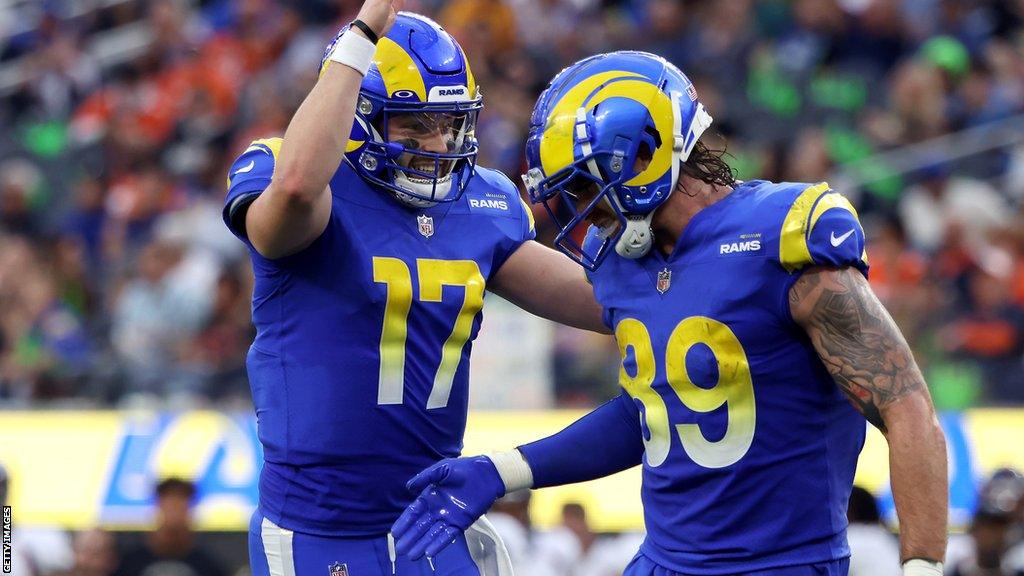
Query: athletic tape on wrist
513	468
921	567
354	50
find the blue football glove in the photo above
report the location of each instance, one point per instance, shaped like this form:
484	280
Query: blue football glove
454	493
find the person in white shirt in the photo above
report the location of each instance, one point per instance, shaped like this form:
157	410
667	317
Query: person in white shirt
599	555
874	549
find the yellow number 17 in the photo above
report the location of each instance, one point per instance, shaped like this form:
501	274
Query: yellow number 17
434	275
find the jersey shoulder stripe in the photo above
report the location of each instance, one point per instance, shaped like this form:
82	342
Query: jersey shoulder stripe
258	160
800	245
248	177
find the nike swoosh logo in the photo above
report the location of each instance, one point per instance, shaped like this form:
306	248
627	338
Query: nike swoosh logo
248	167
837	241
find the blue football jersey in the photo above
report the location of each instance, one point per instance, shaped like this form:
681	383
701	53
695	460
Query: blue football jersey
750	447
359	369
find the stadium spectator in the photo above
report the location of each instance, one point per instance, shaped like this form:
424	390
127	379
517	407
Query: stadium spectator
599	555
45	348
171	549
940	201
989	536
95	554
1005	491
529	549
898	274
22	195
144	329
209	362
86	221
581	362
874	549
990	332
569	549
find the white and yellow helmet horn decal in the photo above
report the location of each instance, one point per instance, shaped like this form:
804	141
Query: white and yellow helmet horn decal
556	145
398	69
470	80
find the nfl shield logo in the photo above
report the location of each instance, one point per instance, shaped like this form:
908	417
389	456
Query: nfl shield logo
339	569
426	225
664	280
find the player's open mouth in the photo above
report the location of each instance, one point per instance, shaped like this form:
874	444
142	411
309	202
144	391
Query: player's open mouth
429	181
429	166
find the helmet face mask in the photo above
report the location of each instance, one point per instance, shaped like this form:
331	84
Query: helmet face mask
402	160
575	199
414	130
623	122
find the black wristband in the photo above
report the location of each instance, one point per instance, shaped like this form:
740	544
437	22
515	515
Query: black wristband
366	30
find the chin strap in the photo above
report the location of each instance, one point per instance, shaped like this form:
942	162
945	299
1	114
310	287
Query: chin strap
636	240
440	190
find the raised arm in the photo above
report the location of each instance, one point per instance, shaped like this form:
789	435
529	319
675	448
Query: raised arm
870	361
294	210
545	282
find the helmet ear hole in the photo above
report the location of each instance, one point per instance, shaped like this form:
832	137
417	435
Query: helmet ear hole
644	155
644	152
650	140
653	133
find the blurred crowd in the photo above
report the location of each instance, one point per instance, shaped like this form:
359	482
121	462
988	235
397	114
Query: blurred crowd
991	545
119	283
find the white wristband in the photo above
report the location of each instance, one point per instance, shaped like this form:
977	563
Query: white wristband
921	567
513	468
354	50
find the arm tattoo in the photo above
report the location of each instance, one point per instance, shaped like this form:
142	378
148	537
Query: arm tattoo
856	339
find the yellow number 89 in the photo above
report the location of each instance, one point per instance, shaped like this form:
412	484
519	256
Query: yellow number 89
734	388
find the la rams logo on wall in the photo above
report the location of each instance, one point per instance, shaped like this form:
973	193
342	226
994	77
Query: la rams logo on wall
338	569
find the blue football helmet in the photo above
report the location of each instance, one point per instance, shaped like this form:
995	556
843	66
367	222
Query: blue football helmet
619	126
420	71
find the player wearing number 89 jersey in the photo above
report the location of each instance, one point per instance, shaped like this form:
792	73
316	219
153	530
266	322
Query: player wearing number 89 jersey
750	448
373	235
746	329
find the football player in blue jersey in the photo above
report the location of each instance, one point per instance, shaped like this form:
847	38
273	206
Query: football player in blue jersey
747	329
373	235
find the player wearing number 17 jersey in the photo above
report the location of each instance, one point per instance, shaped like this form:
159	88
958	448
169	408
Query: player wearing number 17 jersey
745	324
373	236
